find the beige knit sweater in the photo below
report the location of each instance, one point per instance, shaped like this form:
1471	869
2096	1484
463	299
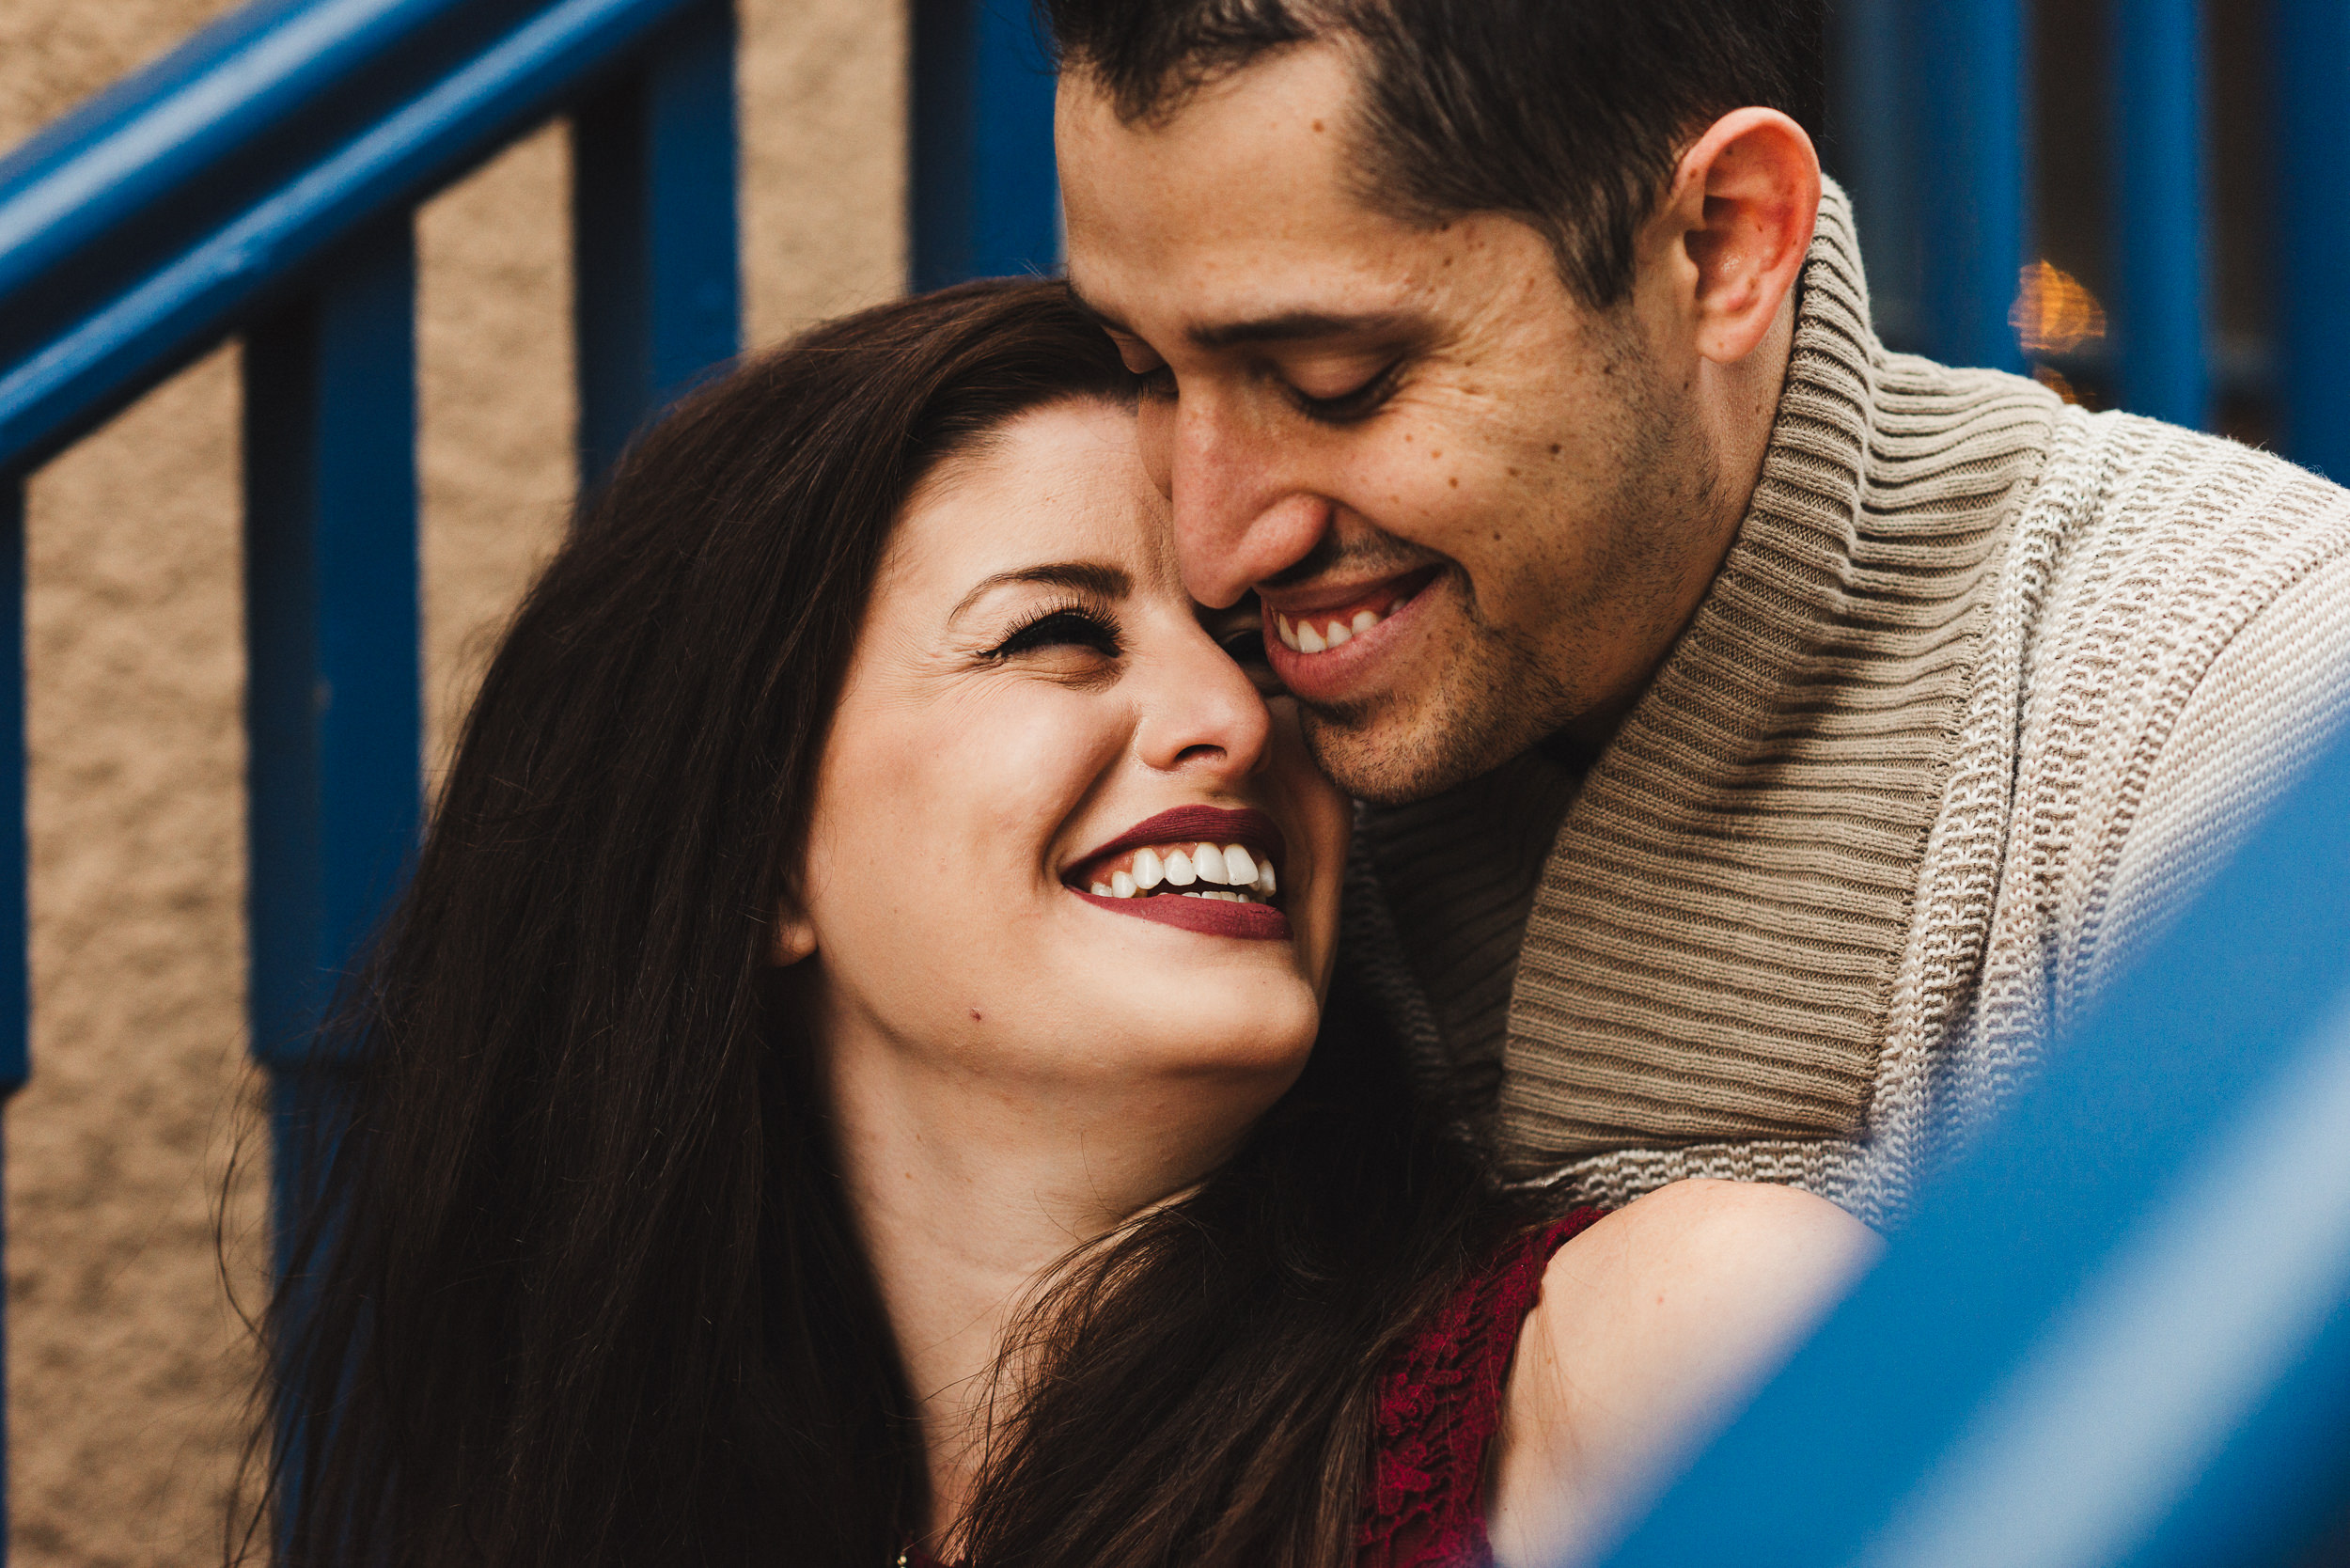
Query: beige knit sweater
1985	687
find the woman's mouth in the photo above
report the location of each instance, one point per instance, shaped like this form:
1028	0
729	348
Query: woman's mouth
1194	871
1199	866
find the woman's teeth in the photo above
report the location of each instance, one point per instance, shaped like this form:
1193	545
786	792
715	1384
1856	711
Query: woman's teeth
1225	872
1307	638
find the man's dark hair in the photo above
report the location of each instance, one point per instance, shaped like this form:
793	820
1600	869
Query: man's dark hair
1568	114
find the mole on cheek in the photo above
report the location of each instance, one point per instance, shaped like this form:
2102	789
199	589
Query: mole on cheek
975	1016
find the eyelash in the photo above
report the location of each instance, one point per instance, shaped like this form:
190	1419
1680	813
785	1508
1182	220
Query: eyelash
1348	407
1061	624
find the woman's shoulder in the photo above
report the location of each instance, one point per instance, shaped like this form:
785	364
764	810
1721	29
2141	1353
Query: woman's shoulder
1649	1322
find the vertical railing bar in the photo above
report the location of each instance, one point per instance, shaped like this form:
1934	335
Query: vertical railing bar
1968	73
1872	143
333	697
2312	44
657	297
16	991
984	199
2159	278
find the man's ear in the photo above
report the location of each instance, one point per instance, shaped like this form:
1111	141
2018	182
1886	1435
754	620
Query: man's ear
1743	204
795	934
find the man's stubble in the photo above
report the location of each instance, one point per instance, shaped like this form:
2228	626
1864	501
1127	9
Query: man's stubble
1502	690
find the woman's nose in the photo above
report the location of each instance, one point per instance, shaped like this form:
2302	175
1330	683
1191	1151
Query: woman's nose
1200	711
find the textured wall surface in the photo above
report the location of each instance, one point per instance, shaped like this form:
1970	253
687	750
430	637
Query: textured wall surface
127	1364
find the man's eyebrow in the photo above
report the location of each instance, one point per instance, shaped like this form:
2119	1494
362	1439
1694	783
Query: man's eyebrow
1290	326
1286	326
1091	578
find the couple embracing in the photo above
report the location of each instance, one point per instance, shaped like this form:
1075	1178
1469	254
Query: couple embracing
1290	904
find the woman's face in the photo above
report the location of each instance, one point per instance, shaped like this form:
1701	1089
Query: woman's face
1050	805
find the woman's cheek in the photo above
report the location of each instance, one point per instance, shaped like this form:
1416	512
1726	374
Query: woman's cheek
1325	818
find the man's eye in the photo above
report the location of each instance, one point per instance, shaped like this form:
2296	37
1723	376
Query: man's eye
1347	407
1070	628
1157	384
1245	645
1240	632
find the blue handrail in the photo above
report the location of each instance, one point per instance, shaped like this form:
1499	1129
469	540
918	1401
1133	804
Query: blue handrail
2119	1331
132	234
261	181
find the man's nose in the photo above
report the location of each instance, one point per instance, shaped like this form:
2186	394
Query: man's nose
1239	517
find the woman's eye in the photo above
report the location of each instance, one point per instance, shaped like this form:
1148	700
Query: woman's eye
1062	629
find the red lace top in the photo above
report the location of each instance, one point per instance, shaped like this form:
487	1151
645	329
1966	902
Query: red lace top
1439	1405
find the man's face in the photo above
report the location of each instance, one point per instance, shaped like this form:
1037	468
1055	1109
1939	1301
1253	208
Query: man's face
1484	503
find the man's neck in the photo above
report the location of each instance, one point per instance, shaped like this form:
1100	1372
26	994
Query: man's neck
1736	409
967	1192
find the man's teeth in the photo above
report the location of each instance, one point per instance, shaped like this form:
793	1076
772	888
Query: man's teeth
1201	871
1304	636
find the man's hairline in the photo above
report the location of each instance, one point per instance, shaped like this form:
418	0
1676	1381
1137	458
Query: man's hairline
1363	184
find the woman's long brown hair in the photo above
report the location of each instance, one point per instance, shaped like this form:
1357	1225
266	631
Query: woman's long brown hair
578	1285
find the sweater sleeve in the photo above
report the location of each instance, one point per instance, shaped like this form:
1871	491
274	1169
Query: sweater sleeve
2270	704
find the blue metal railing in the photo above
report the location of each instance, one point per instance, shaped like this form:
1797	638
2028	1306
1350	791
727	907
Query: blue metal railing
2120	1331
1934	134
2313	62
262	182
986	201
2117	1333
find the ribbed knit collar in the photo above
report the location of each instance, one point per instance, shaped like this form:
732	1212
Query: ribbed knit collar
1712	948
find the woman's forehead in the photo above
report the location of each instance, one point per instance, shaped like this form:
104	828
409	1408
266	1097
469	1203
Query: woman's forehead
1063	483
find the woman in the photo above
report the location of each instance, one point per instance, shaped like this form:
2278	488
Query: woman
843	1085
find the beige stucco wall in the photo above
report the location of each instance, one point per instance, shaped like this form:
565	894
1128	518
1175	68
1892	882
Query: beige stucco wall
126	1365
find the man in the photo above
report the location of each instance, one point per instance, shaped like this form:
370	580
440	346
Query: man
1767	741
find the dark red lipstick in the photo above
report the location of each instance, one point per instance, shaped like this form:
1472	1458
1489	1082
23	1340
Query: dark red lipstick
1258	922
1251	829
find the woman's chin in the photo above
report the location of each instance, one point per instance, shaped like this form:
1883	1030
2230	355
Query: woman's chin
1211	1025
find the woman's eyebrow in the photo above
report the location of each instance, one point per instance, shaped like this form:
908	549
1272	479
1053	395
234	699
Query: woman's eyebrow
1091	578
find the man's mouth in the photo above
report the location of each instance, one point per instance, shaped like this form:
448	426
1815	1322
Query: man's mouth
1200	867
1319	628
